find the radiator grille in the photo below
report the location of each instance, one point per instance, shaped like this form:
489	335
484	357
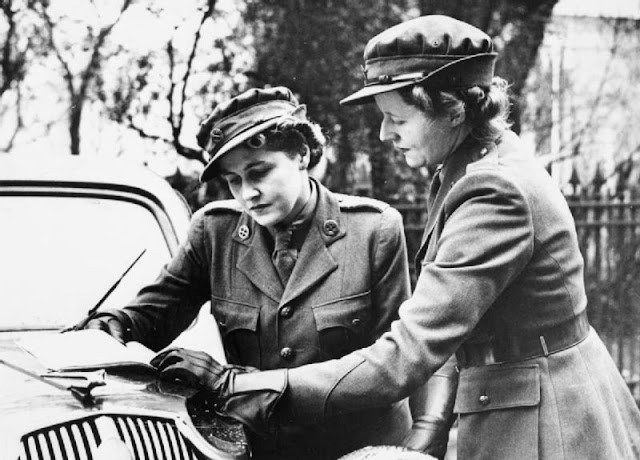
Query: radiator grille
148	438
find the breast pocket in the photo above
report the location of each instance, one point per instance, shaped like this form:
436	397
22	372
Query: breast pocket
499	410
344	324
238	323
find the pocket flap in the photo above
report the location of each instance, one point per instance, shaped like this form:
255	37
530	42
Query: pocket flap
350	312
497	387
233	315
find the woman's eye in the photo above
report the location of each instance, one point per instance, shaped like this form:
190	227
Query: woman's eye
258	173
232	180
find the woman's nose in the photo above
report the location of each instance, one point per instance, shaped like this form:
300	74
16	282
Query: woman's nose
249	192
386	132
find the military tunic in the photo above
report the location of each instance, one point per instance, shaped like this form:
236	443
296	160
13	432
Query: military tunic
350	277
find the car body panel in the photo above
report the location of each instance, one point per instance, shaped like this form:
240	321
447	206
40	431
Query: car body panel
29	405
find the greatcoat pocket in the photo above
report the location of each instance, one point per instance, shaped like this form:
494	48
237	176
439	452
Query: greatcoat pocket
498	407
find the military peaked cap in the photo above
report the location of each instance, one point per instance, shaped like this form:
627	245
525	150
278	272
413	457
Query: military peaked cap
441	52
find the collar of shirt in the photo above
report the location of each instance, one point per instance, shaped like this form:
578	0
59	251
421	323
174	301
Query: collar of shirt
300	224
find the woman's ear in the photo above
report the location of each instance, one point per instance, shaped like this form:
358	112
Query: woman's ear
305	159
458	118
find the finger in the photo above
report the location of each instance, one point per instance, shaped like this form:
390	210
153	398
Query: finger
167	358
180	373
116	330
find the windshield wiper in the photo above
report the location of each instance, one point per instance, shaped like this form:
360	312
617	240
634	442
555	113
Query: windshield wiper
93	310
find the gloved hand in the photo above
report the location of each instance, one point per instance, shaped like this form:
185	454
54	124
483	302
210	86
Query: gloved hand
432	411
196	368
243	393
428	436
111	325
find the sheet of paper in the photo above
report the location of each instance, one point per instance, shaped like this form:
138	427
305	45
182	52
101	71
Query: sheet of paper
203	335
85	349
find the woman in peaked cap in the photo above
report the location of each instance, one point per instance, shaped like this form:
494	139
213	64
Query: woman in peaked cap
500	288
295	274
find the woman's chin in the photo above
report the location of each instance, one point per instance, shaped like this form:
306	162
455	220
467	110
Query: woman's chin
413	162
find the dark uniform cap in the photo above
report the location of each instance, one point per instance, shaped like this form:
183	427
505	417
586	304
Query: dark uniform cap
440	51
244	116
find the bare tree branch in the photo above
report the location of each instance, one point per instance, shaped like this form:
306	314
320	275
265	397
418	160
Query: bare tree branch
78	96
186	152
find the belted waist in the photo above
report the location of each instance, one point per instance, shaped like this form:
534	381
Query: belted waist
511	348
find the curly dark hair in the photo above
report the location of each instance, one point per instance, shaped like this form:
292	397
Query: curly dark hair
293	136
486	108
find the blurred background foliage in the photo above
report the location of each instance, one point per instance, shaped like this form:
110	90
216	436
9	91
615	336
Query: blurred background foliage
114	78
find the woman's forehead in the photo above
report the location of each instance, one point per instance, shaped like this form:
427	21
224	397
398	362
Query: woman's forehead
392	103
243	157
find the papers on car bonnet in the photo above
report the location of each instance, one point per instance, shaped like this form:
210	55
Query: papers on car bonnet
94	349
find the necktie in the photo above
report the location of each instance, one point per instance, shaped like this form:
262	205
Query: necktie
284	256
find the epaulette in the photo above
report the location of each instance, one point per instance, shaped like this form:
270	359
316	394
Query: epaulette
221	206
350	202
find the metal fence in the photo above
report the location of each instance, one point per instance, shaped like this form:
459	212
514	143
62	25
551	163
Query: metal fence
608	228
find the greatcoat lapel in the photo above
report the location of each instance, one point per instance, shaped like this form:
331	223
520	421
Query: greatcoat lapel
454	168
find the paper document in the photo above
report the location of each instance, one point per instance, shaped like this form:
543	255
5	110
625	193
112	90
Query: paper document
94	349
86	349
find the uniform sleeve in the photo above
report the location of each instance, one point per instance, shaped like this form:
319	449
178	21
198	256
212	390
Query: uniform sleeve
485	243
166	307
391	282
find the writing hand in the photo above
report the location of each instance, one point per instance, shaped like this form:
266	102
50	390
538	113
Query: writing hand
109	324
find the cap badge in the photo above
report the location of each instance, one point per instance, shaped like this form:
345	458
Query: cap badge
216	135
243	232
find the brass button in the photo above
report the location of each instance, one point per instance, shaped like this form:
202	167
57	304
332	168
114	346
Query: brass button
286	312
355	322
243	232
331	227
385	79
484	400
286	353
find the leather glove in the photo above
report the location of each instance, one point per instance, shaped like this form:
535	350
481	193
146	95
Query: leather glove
432	411
429	436
111	325
242	393
196	368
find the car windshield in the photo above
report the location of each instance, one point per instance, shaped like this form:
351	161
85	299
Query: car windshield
59	255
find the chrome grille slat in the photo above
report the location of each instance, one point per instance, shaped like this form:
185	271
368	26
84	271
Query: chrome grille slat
146	442
146	437
155	440
70	447
126	436
56	442
164	440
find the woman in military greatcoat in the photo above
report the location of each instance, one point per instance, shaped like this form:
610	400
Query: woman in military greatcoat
500	286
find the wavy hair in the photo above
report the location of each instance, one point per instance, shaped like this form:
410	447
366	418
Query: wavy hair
294	137
487	109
